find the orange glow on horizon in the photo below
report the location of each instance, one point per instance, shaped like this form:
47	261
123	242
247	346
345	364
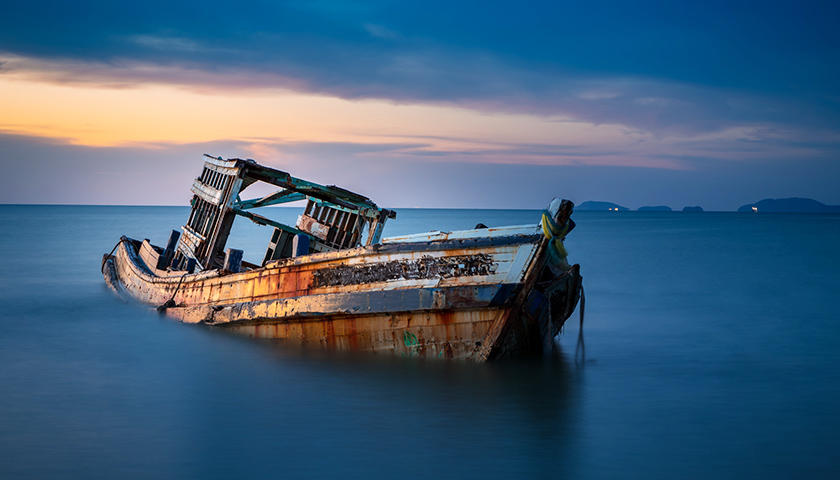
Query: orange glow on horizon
155	115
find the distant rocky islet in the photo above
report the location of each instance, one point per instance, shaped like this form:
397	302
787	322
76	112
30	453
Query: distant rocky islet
601	206
614	207
789	205
768	205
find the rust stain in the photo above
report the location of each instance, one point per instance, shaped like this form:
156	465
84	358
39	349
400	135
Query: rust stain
304	283
352	333
346	332
329	332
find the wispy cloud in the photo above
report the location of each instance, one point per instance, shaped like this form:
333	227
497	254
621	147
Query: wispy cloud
381	31
122	175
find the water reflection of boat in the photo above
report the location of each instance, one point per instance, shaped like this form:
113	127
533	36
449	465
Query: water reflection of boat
332	281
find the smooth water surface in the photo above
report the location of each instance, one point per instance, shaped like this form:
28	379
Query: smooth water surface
712	348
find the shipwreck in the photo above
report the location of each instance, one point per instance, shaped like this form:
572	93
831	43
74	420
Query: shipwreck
332	281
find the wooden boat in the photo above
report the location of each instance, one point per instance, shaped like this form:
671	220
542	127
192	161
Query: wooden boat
479	294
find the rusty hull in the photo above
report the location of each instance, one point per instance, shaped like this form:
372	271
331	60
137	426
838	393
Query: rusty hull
478	295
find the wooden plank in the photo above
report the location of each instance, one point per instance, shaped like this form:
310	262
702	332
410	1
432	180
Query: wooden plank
149	256
313	227
208	193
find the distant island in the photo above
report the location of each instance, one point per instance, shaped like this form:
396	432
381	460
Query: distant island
790	205
771	205
601	207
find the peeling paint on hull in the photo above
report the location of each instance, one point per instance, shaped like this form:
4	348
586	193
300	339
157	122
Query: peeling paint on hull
473	298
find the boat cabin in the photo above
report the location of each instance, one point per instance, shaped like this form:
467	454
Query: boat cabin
333	218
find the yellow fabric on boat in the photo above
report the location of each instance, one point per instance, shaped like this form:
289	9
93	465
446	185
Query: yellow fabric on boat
554	233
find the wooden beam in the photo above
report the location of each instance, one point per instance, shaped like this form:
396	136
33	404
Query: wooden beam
259	219
281	196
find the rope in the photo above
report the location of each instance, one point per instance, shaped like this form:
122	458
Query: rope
105	258
580	347
167	304
171	302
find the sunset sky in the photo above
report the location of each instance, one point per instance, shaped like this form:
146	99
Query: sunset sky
425	104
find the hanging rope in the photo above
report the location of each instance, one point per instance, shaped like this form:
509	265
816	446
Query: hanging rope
106	257
580	347
171	302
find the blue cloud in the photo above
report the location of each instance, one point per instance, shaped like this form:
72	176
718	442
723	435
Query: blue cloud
657	66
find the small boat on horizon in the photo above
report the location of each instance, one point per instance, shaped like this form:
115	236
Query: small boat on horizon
332	281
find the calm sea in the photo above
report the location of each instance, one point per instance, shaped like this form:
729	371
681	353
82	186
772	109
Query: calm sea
712	350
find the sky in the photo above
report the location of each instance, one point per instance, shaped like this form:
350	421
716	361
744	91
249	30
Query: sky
439	104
